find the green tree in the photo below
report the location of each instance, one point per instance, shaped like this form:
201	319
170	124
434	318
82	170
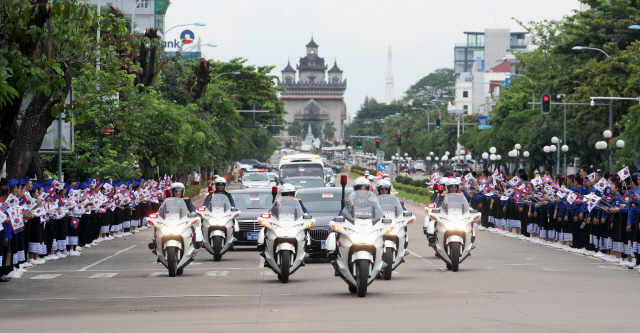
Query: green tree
432	86
294	129
328	130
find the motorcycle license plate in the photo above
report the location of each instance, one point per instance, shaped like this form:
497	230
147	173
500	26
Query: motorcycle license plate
323	244
252	235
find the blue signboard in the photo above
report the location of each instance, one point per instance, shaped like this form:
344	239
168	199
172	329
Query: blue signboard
381	167
483	120
350	161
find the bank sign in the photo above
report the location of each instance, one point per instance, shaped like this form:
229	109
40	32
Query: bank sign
187	35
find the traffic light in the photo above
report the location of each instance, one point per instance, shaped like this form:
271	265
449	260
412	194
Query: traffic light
399	142
348	144
377	143
359	144
437	123
546	103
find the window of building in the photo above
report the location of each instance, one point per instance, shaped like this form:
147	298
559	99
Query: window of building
312	80
459	67
335	80
465	94
312	63
459	53
109	4
480	40
312	51
288	79
142	3
465	107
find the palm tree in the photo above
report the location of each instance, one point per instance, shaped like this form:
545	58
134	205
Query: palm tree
329	130
294	129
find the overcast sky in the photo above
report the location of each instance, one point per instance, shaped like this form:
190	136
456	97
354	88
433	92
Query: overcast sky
358	33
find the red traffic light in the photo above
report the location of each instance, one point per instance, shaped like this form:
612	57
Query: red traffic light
399	136
545	98
610	140
377	140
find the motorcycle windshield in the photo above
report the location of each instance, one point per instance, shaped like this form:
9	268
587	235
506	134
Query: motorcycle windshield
390	205
219	203
455	204
173	209
362	204
287	208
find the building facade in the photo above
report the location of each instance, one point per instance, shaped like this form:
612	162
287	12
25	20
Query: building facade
485	49
148	13
313	93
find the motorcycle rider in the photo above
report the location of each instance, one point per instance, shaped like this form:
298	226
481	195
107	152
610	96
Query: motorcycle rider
361	193
384	186
219	187
289	190
452	185
177	191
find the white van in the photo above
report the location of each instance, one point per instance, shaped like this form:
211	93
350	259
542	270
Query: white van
301	165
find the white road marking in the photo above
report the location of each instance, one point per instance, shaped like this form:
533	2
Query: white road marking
216	273
103	275
45	276
267	273
107	258
261	263
156	274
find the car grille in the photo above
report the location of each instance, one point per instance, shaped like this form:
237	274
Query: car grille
249	225
319	234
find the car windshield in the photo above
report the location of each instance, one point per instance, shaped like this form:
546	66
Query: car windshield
306	183
286	208
219	203
255	177
390	205
455	204
173	209
256	200
299	170
362	204
321	203
248	162
327	172
272	178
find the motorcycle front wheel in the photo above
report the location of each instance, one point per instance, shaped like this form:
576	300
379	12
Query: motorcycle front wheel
454	255
388	259
285	264
172	260
363	277
216	244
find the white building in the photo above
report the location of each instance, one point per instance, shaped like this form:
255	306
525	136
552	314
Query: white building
148	13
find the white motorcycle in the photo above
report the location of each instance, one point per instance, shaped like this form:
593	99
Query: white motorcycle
175	231
219	225
356	246
284	237
397	240
453	227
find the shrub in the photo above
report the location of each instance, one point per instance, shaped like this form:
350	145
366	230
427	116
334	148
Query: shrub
399	178
407	180
418	183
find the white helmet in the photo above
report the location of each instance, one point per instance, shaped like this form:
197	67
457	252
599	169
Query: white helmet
361	182
220	180
384	183
177	186
448	182
287	188
366	173
370	178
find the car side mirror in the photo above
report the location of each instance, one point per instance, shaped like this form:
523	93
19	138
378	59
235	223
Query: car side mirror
386	220
436	210
338	219
406	214
234	209
192	215
307	217
473	211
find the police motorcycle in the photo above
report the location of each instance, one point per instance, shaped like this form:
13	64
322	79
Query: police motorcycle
396	241
218	225
175	234
357	244
450	225
284	236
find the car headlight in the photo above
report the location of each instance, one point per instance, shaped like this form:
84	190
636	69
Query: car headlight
455	224
363	239
265	185
171	230
282	232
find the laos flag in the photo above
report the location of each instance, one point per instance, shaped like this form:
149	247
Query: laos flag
74	222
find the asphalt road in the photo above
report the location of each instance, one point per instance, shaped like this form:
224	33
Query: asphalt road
507	285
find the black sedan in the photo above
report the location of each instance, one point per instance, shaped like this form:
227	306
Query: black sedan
251	203
323	204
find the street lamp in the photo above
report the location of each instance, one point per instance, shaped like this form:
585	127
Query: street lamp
428	117
492	150
533	97
184	25
603	145
234	73
635	27
439	112
524	161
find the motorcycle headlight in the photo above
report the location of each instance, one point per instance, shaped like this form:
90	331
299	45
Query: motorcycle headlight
363	239
215	221
171	230
455	224
282	232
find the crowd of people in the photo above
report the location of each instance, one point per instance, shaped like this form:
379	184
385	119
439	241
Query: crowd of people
591	213
52	220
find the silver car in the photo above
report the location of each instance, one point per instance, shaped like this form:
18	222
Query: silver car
255	180
273	179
